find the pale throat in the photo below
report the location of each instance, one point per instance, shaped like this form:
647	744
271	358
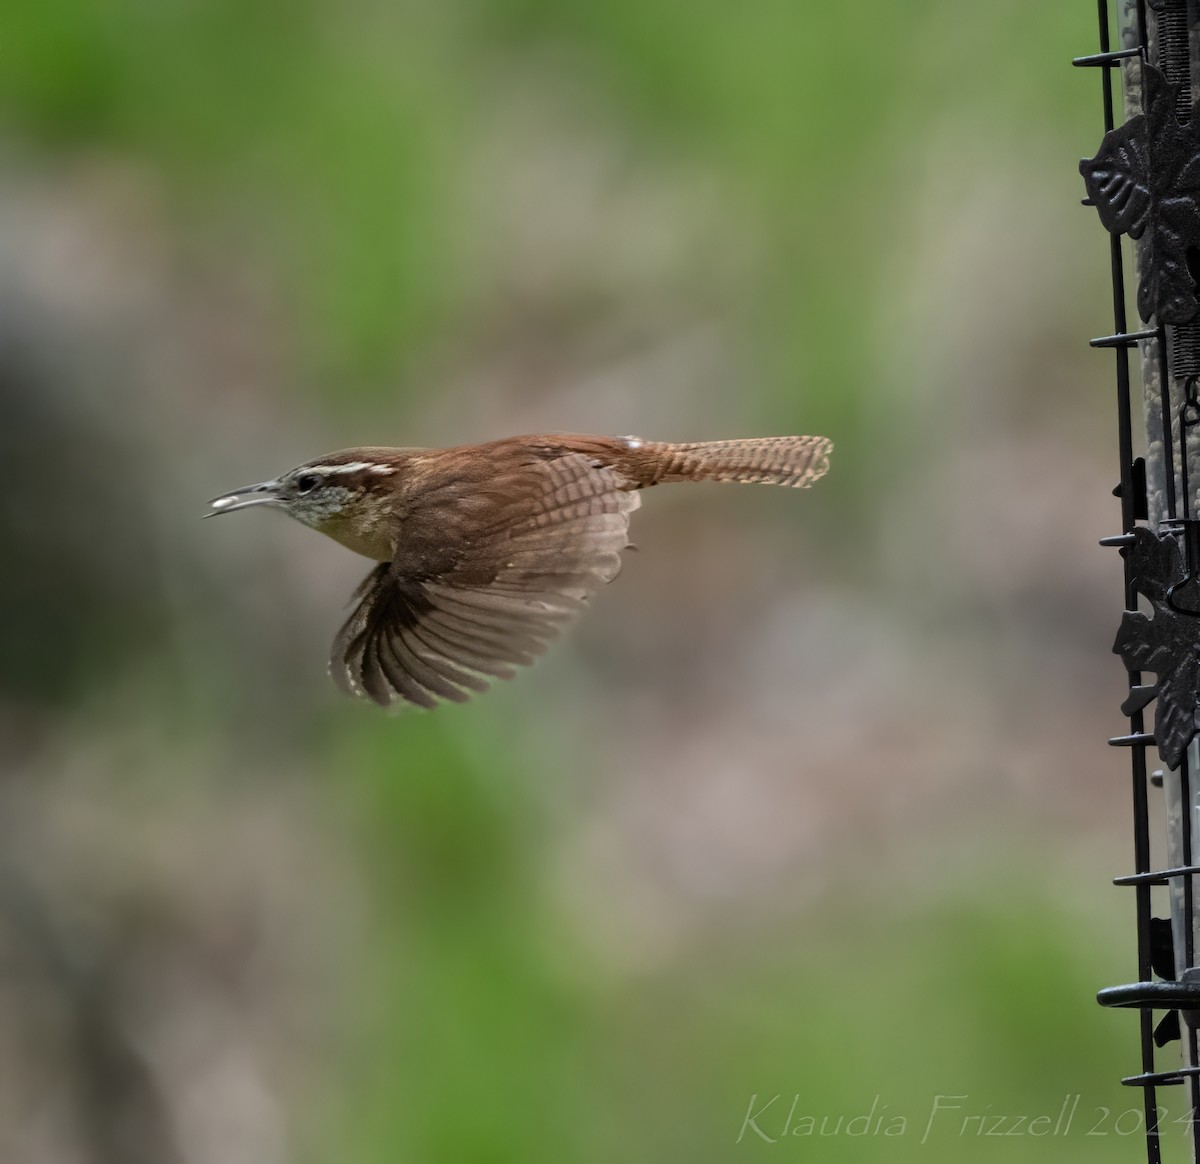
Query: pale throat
362	526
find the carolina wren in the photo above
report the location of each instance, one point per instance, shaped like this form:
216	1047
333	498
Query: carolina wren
486	551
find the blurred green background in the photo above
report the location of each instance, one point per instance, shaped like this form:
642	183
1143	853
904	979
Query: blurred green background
814	804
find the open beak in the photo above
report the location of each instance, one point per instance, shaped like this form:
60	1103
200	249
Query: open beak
265	493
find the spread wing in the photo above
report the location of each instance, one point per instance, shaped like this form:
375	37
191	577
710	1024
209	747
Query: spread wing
457	608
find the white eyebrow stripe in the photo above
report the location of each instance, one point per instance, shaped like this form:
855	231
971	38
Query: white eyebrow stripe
352	467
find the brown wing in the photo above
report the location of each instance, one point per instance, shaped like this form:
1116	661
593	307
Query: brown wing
457	608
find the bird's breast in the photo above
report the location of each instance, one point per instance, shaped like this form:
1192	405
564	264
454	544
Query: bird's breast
369	535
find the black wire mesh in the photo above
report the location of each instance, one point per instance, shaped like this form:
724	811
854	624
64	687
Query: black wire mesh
1145	182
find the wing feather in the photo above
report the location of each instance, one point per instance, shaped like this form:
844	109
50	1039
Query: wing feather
429	678
466	669
479	655
443	620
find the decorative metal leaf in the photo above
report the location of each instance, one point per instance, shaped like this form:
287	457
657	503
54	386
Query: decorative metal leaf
1145	180
1167	643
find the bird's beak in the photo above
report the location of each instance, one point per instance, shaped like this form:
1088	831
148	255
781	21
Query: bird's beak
264	493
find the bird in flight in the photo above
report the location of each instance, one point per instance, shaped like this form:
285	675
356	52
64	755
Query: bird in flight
486	551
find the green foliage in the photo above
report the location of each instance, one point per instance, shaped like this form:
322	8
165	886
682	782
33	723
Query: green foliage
330	140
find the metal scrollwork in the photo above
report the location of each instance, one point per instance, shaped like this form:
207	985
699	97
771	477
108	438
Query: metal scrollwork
1145	180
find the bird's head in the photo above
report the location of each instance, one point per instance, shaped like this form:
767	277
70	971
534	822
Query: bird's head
345	495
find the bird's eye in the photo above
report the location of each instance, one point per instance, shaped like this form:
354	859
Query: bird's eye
307	482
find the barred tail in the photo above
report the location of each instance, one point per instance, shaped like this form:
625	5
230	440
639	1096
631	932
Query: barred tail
797	461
